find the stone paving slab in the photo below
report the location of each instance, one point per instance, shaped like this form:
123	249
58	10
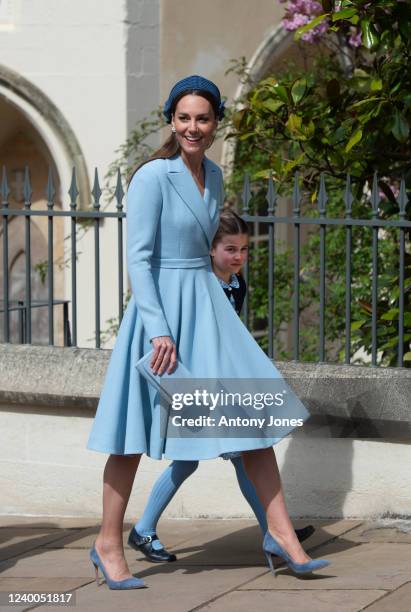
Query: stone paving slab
18	540
52	522
43	563
42	584
398	601
169	589
216	545
297	601
381	531
354	566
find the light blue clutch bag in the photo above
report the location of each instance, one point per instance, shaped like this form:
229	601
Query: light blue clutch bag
143	367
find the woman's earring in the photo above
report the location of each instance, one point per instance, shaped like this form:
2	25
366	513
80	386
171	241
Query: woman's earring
173	129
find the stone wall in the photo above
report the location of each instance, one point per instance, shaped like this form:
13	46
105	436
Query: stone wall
48	397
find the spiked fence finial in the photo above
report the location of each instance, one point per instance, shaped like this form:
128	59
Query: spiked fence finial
5	191
271	195
96	191
50	191
246	196
119	192
27	192
296	195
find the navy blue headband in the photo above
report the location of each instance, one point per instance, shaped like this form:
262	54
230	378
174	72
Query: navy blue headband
193	83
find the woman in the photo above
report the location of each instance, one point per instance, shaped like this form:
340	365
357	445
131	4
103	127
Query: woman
172	216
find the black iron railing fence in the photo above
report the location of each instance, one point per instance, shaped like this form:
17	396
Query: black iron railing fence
96	215
270	220
322	222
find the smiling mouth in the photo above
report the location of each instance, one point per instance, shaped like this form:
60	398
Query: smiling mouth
192	139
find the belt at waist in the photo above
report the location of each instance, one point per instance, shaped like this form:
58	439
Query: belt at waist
195	262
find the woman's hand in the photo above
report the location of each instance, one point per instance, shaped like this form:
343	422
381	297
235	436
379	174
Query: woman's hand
164	355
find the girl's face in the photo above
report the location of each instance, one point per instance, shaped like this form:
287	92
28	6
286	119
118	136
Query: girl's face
195	124
230	253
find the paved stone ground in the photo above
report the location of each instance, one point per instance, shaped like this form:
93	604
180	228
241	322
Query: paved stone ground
220	567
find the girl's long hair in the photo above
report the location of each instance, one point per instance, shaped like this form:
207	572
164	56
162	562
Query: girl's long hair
170	146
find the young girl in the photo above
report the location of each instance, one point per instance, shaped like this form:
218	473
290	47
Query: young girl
228	254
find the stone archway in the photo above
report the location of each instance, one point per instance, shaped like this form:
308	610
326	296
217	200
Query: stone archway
52	128
33	132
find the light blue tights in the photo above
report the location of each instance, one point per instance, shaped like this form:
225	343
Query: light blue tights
167	485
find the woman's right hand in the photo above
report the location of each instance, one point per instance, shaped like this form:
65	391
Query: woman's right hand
164	355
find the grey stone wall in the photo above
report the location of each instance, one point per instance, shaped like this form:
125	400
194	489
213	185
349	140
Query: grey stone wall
48	396
349	401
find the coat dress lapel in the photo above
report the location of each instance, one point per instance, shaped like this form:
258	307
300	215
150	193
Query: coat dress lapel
213	193
204	209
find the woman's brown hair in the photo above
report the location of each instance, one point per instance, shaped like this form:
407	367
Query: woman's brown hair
170	146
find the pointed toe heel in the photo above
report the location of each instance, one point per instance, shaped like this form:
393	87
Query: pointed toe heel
96	570
117	585
272	547
270	562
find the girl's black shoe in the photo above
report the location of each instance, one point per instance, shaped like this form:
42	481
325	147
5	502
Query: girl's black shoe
305	532
144	544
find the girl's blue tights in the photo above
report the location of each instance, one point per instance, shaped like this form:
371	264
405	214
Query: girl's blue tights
167	485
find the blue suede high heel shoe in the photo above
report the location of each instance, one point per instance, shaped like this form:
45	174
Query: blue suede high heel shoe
272	547
128	583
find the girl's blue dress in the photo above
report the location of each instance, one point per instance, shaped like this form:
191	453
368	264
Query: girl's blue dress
170	228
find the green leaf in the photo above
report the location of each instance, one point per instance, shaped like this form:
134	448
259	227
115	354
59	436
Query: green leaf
308	129
281	92
400	129
407	356
396	87
310	25
359	72
355	139
344	14
273	105
238	117
376	85
298	90
357	324
294	123
390	315
293	163
389	345
247	135
369	34
365	101
262	173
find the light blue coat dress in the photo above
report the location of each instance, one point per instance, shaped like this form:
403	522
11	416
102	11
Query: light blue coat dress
170	228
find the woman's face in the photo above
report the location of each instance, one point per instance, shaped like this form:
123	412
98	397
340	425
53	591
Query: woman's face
195	124
230	253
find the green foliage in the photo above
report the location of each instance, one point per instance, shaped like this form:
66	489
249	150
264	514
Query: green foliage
337	117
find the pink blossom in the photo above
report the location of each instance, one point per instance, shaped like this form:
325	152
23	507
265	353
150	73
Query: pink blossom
300	12
394	188
355	38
